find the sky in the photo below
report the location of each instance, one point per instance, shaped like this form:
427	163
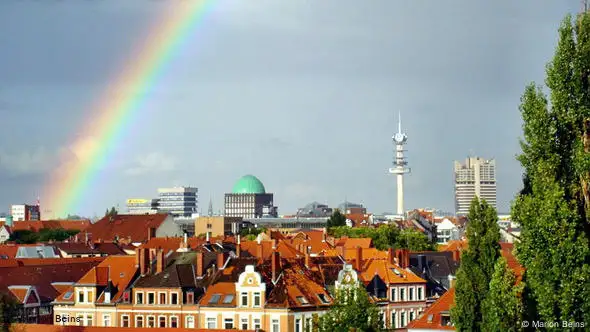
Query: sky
302	94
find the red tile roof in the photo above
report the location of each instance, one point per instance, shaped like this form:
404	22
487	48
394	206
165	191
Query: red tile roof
431	318
125	226
51	224
507	250
351	243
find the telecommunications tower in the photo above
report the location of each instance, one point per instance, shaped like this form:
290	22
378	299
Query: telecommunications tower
400	165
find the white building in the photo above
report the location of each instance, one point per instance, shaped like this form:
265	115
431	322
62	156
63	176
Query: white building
4	234
476	177
446	231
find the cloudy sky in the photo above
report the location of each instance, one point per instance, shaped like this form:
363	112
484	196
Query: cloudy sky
302	94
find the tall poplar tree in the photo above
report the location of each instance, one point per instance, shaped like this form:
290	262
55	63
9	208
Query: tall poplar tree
553	208
477	266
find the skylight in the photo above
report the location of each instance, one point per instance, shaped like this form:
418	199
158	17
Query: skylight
302	300
323	298
430	317
214	299
68	296
395	271
228	298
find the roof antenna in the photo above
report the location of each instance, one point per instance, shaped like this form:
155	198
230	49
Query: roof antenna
399	122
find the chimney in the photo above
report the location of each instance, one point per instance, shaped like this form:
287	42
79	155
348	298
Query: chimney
421	263
238	249
221	260
274	244
144	261
275	265
207	237
259	250
324	235
307	262
391	256
452	281
151	233
403	258
185	240
137	258
160	263
456	255
340	251
359	258
200	262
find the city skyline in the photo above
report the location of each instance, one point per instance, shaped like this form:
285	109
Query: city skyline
313	123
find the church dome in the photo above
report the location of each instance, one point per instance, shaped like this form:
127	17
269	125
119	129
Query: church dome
248	184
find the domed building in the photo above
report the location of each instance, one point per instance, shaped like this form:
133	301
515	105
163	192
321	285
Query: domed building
249	199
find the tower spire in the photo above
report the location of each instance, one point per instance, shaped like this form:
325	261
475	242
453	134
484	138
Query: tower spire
210	212
399	122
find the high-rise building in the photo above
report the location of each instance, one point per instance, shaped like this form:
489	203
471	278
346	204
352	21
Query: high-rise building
249	199
178	201
476	177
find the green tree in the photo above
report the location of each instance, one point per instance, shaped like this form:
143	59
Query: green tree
112	212
414	240
24	236
8	309
502	307
553	208
477	266
352	311
337	219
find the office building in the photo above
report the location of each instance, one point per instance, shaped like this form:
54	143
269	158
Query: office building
249	199
476	177
25	212
178	201
142	206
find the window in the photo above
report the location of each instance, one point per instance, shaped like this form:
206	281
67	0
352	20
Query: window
228	323
308	324
174	298
151	298
138	321
106	320
392	294
126	297
402	295
244	323
228	298
174	322
275	325
162	321
420	293
151	321
244	302
302	300
256	299
411	293
323	298
214	299
162	298
190	322
139	298
88	320
80	319
298	325
125	321
81	297
393	320
402	319
190	298
211	323
257	324
411	316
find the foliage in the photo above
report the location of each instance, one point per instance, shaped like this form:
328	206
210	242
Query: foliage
8	309
346	314
250	237
388	236
477	266
554	206
44	235
252	231
337	219
502	308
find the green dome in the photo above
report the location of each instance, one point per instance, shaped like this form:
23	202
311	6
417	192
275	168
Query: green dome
249	184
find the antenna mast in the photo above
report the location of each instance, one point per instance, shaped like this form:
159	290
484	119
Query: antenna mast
584	6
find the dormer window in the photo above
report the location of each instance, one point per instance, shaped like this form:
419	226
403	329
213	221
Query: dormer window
445	319
302	300
323	298
214	299
139	298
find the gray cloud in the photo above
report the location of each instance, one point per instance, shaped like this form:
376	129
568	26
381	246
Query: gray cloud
297	94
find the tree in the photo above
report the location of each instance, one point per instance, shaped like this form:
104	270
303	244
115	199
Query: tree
347	314
414	240
553	208
8	308
336	219
477	266
112	212
502	307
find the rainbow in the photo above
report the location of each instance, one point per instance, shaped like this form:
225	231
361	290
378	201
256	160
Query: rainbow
119	106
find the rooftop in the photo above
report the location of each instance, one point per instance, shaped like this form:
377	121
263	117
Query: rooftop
248	184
